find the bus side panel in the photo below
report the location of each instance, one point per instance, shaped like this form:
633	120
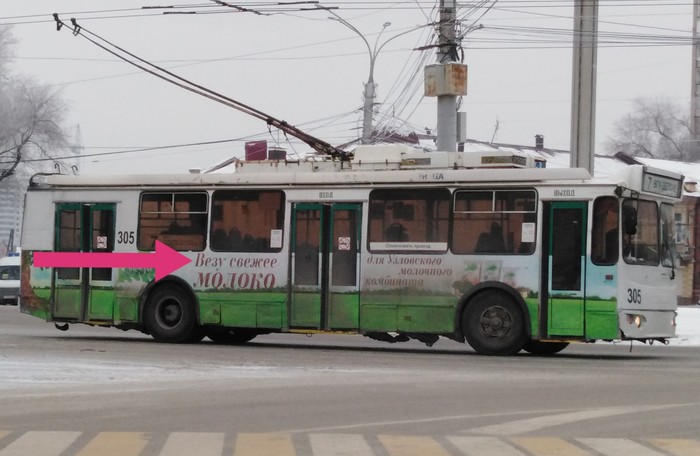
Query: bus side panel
37	235
398	294
240	290
127	290
421	292
601	302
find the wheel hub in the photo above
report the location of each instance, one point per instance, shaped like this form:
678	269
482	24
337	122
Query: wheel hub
496	322
170	314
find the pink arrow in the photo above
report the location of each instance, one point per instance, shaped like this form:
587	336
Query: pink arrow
164	260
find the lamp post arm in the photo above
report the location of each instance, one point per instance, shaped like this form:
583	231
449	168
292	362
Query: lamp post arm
353	28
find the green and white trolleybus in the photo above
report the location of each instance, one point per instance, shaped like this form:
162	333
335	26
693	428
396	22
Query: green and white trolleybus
395	244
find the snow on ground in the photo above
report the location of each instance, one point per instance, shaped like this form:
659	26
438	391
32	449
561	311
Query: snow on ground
688	329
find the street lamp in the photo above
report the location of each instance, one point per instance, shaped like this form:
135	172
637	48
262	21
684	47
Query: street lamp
368	109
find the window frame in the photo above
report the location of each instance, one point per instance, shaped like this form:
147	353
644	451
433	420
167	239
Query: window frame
173	204
494	210
626	250
605	234
408	213
279	226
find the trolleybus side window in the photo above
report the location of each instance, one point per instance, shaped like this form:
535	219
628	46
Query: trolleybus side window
605	243
640	236
668	236
494	221
69	240
247	221
178	220
409	219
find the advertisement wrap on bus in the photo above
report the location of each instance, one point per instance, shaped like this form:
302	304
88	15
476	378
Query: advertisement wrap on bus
396	244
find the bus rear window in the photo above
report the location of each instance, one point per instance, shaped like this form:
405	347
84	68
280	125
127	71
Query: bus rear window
494	222
178	220
409	220
247	221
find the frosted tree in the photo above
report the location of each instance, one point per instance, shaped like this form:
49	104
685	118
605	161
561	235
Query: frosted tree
30	115
656	128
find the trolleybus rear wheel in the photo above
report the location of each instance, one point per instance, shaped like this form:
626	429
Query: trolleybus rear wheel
230	336
537	347
169	315
493	324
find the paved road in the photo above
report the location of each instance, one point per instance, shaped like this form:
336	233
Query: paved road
89	391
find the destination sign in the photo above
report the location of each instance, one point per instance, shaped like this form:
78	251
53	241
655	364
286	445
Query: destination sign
661	185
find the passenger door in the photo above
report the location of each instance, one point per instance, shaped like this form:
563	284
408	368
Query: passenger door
564	264
83	294
325	266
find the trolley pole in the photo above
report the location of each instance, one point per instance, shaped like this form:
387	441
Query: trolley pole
583	96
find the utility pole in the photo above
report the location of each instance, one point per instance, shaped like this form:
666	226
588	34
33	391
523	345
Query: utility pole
448	79
583	96
695	79
447	104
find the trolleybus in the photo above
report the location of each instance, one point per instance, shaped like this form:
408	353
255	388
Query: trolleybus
395	244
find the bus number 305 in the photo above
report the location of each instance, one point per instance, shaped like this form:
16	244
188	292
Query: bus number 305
125	237
634	295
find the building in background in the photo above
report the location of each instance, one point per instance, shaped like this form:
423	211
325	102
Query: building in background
12	191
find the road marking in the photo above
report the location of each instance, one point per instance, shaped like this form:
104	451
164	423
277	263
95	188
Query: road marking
541	422
339	445
438	419
484	446
40	443
115	444
678	447
619	447
540	446
405	445
263	445
189	443
36	443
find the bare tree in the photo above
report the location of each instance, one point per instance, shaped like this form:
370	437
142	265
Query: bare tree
656	128
30	115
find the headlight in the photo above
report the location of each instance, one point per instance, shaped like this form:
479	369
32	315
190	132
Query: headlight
637	320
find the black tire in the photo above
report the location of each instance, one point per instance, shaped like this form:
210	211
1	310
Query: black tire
169	315
196	335
493	324
540	348
230	336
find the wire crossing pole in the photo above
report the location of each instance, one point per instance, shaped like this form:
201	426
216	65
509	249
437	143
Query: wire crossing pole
583	96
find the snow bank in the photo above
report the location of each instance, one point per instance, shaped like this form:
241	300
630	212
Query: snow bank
688	329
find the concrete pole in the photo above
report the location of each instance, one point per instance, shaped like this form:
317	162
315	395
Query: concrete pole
583	96
370	88
369	92
447	104
368	111
695	79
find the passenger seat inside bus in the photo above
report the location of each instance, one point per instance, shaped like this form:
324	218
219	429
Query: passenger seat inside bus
396	233
491	242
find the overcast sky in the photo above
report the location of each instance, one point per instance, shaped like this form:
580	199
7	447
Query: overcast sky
309	70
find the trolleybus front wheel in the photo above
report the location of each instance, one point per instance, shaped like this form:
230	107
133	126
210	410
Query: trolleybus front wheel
493	324
169	315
